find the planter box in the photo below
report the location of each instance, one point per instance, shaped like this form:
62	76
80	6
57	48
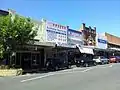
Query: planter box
10	72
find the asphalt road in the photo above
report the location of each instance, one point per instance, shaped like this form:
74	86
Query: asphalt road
103	77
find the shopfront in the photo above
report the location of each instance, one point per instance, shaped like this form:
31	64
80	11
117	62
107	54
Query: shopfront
54	33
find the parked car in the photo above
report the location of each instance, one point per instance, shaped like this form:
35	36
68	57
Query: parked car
117	59
59	61
101	60
84	60
114	59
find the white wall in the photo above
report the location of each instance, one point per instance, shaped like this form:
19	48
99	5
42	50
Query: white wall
101	41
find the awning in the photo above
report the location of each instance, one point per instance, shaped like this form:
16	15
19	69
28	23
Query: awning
45	43
85	50
65	45
117	49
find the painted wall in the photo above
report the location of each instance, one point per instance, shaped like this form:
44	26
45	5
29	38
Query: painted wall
40	32
113	39
101	41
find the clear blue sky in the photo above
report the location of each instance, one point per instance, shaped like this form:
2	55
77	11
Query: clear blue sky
105	15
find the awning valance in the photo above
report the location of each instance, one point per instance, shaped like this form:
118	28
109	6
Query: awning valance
85	50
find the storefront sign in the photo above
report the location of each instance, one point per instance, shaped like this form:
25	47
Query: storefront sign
101	41
56	32
75	37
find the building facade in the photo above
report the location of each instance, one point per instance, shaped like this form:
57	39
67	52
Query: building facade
113	41
113	44
89	35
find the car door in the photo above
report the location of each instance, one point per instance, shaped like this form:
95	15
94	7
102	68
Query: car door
104	59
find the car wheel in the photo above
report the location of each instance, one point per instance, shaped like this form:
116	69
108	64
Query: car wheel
69	66
95	63
102	63
77	65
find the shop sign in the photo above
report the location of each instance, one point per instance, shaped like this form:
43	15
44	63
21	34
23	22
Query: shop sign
75	37
101	41
56	32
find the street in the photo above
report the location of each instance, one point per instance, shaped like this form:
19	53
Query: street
101	77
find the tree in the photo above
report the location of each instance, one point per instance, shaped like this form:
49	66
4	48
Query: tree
17	31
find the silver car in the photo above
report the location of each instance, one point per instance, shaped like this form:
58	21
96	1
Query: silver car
101	60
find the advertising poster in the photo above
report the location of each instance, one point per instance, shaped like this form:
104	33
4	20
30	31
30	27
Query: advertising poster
101	41
75	37
56	32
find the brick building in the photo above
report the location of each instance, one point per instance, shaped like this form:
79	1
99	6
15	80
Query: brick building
113	43
89	35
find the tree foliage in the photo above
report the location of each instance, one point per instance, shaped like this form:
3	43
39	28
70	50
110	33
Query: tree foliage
18	31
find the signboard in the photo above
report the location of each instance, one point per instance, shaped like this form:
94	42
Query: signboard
101	41
75	37
56	32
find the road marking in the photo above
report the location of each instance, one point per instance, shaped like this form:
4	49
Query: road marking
31	79
51	74
111	66
73	69
63	72
87	70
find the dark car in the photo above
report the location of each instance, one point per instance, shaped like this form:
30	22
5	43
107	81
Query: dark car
84	60
59	61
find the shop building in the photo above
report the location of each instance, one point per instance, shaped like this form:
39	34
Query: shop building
75	38
89	35
101	45
113	44
32	56
54	33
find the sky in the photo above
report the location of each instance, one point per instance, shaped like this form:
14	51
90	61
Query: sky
103	14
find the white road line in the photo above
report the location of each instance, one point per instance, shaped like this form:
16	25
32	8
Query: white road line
86	70
62	72
67	70
51	74
111	65
31	79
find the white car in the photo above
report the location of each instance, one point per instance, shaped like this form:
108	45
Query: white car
101	60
